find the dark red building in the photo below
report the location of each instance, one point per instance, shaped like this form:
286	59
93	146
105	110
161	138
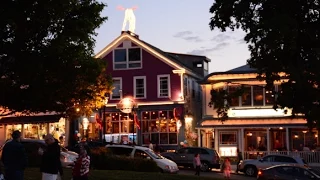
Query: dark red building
164	86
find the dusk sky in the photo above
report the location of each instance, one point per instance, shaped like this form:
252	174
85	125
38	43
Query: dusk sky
179	26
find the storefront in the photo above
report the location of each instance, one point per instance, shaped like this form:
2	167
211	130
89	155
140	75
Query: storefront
158	124
33	127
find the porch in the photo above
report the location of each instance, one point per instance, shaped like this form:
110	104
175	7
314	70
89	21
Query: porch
308	156
257	137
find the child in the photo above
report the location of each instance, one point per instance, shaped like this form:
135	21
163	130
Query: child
81	166
226	168
197	163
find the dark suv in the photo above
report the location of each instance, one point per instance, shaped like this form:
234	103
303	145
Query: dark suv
184	157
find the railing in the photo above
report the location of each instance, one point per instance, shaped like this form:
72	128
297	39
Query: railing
308	156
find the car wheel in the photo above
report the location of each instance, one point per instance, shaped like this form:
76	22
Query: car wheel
250	170
204	166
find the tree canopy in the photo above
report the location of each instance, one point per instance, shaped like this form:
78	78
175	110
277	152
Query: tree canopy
282	36
46	57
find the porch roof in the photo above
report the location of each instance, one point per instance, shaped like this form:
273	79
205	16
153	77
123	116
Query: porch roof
254	122
30	119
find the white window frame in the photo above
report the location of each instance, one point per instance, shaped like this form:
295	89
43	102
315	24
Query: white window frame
135	86
127	60
120	79
158	85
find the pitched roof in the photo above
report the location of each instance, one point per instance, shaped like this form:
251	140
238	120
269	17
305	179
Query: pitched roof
242	69
178	60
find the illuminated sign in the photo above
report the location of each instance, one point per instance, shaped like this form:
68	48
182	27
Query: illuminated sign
258	112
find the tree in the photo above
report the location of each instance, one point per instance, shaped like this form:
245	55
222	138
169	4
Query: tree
283	37
46	57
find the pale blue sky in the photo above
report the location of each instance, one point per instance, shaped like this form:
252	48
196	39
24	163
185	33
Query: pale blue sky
179	26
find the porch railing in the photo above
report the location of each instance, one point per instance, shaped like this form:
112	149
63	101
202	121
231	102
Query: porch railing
308	156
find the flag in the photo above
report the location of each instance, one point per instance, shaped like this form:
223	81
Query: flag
136	120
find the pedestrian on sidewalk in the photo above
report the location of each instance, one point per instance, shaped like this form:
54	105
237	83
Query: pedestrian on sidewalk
197	163
14	158
51	164
227	168
239	158
81	166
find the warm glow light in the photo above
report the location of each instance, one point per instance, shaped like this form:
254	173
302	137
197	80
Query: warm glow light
258	112
296	136
316	135
188	119
151	103
280	127
304	132
78	109
228	151
85	123
249	134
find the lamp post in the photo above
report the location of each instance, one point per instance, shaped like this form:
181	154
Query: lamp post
104	120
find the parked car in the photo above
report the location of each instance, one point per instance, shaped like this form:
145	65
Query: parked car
250	167
184	157
287	172
164	164
32	146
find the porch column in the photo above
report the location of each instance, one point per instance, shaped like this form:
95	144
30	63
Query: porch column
199	136
216	140
287	140
268	140
241	143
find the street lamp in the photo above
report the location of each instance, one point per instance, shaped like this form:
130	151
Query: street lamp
104	120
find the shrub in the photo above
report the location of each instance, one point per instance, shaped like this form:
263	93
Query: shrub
102	159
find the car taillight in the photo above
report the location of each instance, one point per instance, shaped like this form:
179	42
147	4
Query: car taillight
259	173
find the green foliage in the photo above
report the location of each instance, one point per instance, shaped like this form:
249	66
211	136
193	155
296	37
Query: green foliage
221	100
46	56
283	37
102	159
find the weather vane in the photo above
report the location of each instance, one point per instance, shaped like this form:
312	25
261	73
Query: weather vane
129	17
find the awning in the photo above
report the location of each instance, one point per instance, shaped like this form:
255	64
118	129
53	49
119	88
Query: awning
30	119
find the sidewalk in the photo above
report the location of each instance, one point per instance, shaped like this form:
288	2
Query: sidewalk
315	166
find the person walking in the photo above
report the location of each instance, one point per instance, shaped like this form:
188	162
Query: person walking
239	158
51	164
226	168
14	158
197	163
81	166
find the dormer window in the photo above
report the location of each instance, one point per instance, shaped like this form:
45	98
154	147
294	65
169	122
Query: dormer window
128	58
199	65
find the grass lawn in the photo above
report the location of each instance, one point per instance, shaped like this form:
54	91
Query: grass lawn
34	174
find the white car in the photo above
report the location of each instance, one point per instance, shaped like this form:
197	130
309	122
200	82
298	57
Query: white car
164	164
32	147
250	167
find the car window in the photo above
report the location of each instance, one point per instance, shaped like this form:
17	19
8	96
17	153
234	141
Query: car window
268	159
286	170
203	151
191	151
120	151
182	151
301	172
285	159
140	154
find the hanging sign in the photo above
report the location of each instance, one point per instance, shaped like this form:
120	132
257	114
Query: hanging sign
126	105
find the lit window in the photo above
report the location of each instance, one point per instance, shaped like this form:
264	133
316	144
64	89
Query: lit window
164	86
127	58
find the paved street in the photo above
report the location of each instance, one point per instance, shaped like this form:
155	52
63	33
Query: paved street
215	174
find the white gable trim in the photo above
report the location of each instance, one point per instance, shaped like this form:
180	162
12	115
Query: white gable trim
123	37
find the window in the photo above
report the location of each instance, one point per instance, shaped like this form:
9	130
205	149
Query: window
121	151
269	98
234	100
127	58
269	159
284	159
257	95
116	92
117	123
159	127
139	86
205	66
141	154
228	137
246	96
164	86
